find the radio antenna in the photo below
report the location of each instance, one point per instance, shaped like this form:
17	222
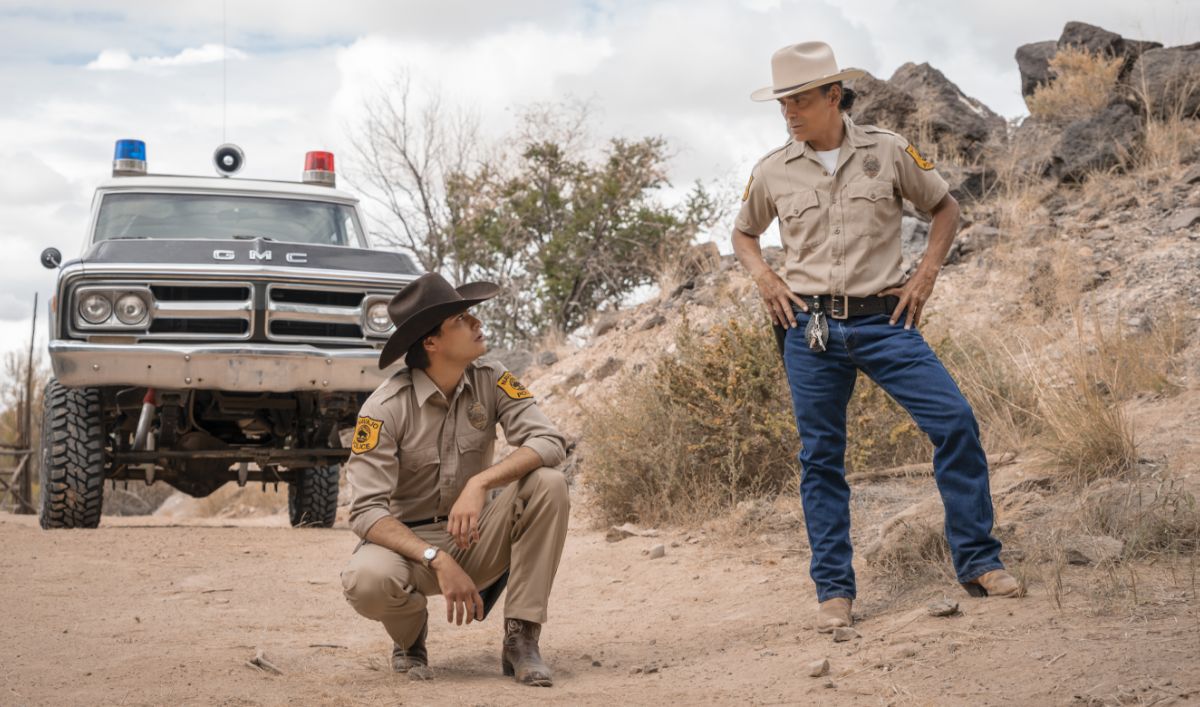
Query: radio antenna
224	66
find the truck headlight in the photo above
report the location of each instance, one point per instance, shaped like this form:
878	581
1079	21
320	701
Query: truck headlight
377	319
131	309
95	308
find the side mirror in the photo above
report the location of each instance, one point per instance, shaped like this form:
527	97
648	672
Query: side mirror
51	258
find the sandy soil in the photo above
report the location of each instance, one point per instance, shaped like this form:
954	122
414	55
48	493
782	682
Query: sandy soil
150	611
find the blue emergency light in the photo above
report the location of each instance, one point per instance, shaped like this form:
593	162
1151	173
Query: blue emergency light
129	158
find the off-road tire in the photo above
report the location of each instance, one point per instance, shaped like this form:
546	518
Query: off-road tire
72	468
313	497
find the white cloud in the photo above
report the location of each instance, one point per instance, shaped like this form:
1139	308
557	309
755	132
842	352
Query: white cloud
121	60
90	72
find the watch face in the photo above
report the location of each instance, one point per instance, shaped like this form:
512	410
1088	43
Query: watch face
430	553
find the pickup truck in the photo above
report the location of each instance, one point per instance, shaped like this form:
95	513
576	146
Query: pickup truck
213	329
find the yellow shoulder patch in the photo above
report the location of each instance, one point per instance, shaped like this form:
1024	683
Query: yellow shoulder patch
366	435
921	161
512	387
746	194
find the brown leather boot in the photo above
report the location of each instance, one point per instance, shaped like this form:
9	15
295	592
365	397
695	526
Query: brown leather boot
997	583
415	659
834	613
520	658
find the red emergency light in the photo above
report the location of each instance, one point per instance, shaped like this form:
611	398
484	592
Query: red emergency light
318	169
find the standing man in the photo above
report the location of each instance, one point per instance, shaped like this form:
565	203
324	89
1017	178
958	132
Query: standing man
845	307
420	470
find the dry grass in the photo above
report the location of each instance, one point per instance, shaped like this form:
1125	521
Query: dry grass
1153	519
703	429
1083	84
915	552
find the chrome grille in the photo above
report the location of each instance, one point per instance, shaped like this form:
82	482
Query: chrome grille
249	310
307	313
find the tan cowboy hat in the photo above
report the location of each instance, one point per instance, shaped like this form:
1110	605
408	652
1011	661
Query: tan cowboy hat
801	67
425	303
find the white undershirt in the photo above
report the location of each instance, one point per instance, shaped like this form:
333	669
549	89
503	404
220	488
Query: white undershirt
829	158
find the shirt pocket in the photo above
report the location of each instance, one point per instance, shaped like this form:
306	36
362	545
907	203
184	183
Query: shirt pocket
419	460
871	204
800	220
473	451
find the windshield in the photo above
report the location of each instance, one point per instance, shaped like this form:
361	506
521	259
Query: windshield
224	217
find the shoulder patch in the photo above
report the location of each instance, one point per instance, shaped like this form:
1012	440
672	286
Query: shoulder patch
921	161
366	435
746	193
512	387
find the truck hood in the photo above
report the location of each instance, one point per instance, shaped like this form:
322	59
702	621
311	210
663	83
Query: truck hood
200	252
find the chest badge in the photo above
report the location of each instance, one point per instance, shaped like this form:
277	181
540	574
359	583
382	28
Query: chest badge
871	166
477	415
366	435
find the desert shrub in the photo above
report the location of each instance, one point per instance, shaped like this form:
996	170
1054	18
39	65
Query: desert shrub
1083	84
700	430
1152	519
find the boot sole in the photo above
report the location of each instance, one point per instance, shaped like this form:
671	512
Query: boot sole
507	668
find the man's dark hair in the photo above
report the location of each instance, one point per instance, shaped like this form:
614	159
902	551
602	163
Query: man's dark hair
848	95
416	357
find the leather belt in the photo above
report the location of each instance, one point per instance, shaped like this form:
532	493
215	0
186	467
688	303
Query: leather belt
842	307
427	521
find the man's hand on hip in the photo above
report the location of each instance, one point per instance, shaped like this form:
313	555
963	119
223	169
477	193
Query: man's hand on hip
913	296
778	297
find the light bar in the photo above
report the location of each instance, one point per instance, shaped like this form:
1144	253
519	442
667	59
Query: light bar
318	169
129	158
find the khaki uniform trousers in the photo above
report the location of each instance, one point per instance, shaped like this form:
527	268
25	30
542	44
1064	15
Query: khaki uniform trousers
523	531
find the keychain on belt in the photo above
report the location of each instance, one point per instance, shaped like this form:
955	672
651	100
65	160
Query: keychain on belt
817	331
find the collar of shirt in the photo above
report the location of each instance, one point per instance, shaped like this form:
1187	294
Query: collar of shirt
854	136
425	388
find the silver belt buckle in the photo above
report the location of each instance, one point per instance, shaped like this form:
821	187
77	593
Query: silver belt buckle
841	312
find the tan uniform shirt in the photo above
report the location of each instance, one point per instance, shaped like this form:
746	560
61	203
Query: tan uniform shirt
840	232
414	450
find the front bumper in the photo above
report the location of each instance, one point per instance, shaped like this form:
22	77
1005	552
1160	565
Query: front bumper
230	367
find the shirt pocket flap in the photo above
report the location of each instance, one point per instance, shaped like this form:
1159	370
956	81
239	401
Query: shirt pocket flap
419	458
474	441
873	190
792	205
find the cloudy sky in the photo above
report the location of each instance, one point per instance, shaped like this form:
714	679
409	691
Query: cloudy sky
79	75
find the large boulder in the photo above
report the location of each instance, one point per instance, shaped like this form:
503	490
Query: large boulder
1168	81
918	100
1033	61
1100	142
1098	40
880	103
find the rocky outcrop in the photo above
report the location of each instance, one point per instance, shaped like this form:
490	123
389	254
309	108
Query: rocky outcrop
1168	81
1103	141
1033	60
919	102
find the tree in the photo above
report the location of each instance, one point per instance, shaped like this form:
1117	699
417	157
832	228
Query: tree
564	226
403	157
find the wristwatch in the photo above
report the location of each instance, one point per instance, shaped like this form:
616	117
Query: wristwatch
427	556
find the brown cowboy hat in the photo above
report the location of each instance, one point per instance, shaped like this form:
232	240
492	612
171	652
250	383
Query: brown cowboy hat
801	67
425	303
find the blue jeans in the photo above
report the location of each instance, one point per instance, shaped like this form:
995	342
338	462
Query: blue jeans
904	366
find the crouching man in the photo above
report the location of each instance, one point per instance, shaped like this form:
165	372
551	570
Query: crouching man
420	472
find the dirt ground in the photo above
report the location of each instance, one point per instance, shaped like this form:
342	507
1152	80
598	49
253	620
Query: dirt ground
149	611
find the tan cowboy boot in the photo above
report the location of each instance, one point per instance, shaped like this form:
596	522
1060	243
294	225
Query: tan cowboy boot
997	583
414	660
520	658
834	613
